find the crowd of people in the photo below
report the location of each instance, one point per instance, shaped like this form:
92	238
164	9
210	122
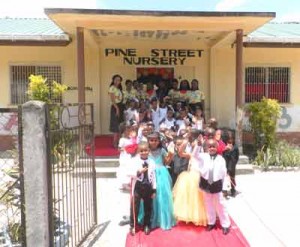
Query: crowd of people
177	165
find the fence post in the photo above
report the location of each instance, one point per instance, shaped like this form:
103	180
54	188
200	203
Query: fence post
35	173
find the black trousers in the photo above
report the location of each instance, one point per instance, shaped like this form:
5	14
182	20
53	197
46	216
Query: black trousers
231	173
141	191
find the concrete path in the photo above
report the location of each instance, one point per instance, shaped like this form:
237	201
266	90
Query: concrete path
267	210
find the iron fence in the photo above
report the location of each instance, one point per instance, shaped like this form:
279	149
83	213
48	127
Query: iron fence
12	216
72	176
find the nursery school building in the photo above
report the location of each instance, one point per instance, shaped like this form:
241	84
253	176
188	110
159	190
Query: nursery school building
237	57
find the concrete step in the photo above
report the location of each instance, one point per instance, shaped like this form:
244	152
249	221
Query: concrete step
106	172
243	159
106	167
243	169
107	162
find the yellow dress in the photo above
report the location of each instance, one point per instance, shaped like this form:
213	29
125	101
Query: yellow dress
188	199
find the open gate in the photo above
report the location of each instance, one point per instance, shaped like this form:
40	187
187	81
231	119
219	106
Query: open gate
71	173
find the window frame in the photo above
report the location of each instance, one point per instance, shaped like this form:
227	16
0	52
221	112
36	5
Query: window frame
267	79
33	64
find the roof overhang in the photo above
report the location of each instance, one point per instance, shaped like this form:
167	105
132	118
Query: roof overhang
271	42
31	42
35	40
126	20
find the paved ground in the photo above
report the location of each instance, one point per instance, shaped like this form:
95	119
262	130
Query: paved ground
266	210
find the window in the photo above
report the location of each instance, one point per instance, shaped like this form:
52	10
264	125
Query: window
271	82
19	75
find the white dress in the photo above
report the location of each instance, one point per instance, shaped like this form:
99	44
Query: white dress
124	161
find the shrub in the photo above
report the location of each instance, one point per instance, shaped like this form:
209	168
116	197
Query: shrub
263	120
282	155
40	89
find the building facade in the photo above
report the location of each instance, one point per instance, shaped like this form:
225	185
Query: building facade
236	57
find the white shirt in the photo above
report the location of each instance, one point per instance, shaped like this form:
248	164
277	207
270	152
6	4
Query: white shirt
205	163
198	124
155	114
168	123
130	114
136	165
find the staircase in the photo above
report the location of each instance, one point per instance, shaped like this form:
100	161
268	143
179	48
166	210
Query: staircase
106	167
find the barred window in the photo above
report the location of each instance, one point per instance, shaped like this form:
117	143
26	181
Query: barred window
271	82
19	75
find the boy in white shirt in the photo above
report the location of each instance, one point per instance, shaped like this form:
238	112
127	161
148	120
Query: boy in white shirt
213	171
143	187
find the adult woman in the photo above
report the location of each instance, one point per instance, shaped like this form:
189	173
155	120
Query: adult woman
116	110
174	92
129	92
184	89
196	97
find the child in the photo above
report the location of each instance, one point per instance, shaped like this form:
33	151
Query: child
213	171
169	121
128	139
221	145
155	113
198	120
163	215
213	123
231	156
180	159
143	187
131	114
150	91
184	119
140	93
188	199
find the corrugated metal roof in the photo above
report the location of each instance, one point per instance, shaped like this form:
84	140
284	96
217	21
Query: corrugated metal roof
30	29
276	32
46	29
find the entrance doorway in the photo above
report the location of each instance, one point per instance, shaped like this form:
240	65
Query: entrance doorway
155	75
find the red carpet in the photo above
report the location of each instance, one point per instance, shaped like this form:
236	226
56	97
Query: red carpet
188	235
104	147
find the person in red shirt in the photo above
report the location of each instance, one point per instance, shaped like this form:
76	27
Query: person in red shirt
221	145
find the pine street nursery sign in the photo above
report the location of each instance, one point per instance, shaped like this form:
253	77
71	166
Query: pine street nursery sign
156	57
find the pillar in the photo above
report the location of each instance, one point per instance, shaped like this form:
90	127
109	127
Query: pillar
80	64
239	87
35	166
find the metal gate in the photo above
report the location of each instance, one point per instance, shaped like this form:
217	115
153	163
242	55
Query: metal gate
71	173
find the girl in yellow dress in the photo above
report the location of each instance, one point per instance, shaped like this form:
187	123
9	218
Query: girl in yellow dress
188	198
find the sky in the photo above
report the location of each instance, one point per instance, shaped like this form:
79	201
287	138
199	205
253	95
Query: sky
286	10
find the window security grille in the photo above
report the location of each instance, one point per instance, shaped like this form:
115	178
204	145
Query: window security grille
271	82
19	80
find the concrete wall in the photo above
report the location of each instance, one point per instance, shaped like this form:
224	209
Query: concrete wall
223	82
222	87
290	120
